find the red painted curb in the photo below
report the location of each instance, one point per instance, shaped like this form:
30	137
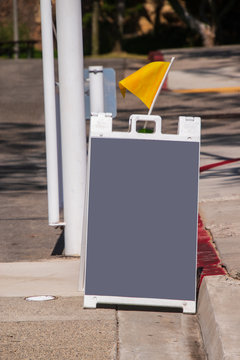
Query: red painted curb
208	261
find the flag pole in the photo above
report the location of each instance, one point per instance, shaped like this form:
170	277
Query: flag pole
159	89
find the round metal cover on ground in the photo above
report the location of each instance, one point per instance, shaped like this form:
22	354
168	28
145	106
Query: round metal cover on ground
41	298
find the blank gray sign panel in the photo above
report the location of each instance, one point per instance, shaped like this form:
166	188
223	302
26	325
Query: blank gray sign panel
142	219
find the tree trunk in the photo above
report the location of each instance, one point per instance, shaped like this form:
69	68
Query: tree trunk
206	32
15	29
120	24
95	28
159	5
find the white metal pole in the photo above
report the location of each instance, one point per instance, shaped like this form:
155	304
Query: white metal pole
160	87
73	127
96	89
50	111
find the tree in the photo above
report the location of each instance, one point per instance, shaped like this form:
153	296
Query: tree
204	16
95	28
120	7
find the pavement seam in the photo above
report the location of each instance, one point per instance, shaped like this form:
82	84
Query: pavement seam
202	338
117	335
217	251
222	264
215	247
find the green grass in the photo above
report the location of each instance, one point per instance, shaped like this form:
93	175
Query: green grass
119	55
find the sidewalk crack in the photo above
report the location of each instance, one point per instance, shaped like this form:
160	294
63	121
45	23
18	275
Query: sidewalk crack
117	335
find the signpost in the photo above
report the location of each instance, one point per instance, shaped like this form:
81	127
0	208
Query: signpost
100	91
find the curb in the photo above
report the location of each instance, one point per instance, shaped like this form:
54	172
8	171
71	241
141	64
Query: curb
208	325
219	315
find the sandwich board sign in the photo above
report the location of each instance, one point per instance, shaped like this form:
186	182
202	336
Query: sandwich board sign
140	243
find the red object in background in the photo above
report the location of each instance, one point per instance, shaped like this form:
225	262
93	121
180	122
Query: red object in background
157	56
208	261
210	166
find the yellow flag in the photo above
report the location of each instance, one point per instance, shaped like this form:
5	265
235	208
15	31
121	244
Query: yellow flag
144	83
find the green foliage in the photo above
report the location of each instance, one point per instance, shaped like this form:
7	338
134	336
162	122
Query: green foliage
227	22
107	27
221	15
38	54
107	32
132	16
167	37
24	33
135	10
86	19
6	32
108	8
7	47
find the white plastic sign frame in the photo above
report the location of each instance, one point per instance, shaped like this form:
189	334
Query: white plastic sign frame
122	265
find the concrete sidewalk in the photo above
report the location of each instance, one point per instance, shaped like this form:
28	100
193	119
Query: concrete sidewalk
61	329
217	69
